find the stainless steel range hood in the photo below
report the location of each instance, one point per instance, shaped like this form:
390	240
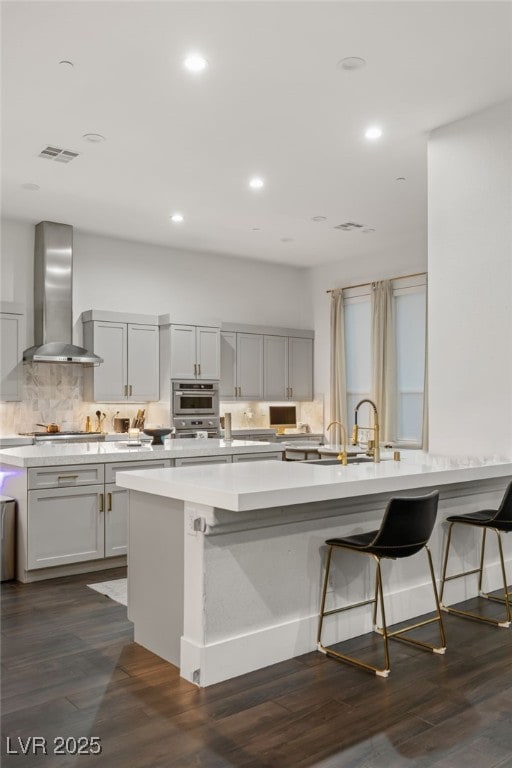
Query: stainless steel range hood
53	311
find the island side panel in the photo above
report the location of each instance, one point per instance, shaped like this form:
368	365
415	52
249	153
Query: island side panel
155	573
262	586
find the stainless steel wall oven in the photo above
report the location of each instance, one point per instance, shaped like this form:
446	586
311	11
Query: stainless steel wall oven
195	408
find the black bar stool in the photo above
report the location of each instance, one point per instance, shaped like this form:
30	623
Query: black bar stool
499	521
405	530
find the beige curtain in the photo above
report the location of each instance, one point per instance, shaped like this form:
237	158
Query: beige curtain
338	369
384	358
424	442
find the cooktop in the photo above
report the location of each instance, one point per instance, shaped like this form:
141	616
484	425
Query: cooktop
54	434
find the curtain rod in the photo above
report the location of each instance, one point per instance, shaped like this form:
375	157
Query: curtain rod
362	285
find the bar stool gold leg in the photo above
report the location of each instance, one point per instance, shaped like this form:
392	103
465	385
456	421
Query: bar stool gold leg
323	613
482	553
496	598
324	593
383	630
398	634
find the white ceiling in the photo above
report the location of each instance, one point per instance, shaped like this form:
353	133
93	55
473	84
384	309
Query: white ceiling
272	102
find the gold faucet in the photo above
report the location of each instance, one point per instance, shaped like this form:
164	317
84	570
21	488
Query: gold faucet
373	450
342	457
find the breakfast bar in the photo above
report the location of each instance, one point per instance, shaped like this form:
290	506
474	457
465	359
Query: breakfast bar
225	562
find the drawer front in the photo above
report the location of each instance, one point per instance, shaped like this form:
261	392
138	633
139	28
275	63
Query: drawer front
65	476
125	466
194	460
237	457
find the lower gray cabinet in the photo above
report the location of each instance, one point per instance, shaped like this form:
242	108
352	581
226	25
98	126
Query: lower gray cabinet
72	519
116	520
65	525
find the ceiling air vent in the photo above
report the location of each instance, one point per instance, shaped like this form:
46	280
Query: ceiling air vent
348	226
59	155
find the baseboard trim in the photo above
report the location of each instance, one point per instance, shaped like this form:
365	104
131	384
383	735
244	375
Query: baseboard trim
214	662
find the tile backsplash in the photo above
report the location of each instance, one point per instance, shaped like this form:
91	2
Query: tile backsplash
253	415
53	393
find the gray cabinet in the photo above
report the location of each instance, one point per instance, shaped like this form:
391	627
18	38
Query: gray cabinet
275	380
12	342
241	366
288	368
74	516
195	352
300	368
130	368
65	525
266	366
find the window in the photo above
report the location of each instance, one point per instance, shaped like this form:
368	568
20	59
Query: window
410	328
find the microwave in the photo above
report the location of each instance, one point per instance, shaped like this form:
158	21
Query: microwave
194	398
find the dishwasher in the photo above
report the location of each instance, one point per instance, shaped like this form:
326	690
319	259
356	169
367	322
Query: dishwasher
8	545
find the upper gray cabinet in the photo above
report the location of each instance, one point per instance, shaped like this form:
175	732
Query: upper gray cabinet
300	368
130	352
195	352
288	368
266	366
241	366
12	343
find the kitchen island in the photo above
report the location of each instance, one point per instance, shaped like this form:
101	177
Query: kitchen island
225	563
72	514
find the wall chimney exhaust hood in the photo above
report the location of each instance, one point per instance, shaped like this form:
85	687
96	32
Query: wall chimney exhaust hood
53	311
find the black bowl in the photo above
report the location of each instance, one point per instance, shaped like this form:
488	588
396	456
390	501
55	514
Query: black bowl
157	434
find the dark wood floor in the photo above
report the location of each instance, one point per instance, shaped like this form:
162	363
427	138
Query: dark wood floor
70	669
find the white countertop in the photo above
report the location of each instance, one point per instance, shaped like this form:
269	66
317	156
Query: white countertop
265	484
55	454
9	441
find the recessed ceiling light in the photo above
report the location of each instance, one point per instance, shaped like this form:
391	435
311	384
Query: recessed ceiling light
195	63
351	63
94	138
319	218
177	218
400	178
67	63
373	133
367	231
256	182
31	187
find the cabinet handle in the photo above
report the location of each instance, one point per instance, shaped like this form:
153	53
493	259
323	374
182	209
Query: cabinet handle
130	388
239	391
195	369
102	502
66	477
126	390
199	368
291	392
109	502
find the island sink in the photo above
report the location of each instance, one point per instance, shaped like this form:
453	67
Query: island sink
350	459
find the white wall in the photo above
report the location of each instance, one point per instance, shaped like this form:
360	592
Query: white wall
470	284
121	275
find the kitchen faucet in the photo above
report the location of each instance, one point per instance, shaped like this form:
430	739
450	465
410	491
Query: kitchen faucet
342	457
375	449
